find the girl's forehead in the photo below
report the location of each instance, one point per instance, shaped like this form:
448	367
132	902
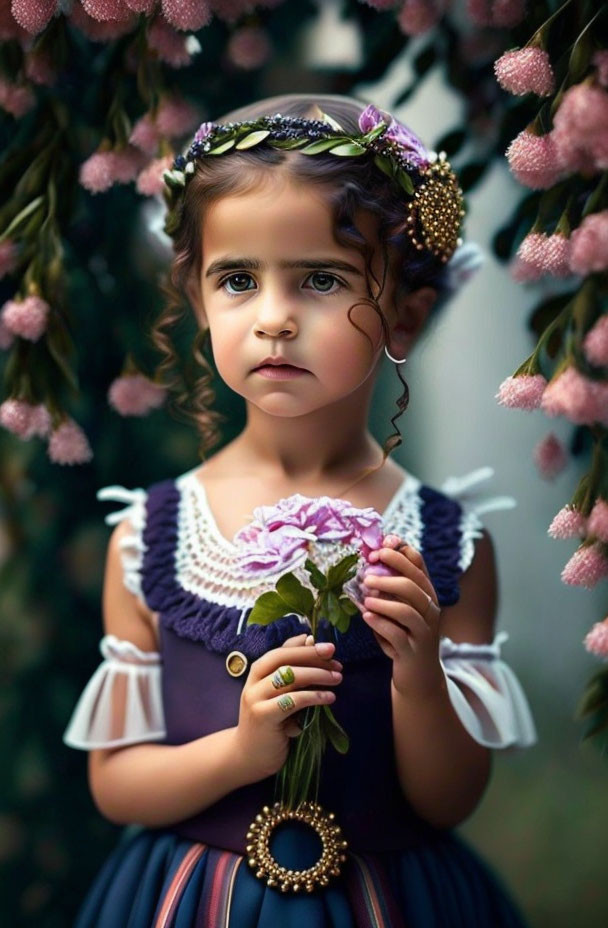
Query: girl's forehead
283	218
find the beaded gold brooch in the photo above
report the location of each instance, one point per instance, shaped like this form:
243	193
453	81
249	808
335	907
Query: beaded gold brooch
435	205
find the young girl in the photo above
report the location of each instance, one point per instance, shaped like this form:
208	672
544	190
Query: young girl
303	269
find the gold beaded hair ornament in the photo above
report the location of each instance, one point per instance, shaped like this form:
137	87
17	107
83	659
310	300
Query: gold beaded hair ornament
434	198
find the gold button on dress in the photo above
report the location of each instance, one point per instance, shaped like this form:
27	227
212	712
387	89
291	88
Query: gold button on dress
236	663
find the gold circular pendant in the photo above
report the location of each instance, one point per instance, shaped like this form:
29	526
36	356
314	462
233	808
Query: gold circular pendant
266	867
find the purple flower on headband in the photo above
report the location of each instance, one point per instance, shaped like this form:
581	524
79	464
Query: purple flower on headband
203	131
413	147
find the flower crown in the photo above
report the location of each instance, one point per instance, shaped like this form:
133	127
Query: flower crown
435	205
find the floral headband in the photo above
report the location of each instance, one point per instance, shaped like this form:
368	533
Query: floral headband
435	205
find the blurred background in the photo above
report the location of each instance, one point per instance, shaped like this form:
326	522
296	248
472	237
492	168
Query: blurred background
540	823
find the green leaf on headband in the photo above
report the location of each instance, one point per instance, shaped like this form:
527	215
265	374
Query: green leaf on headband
221	148
373	134
385	164
349	148
318	579
287	143
253	138
299	598
342	571
174	178
405	181
320	145
267	608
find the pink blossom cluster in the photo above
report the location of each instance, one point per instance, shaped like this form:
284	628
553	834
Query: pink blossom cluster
595	343
27	318
596	640
525	70
522	392
135	395
584	252
249	47
105	168
418	16
280	536
550	456
67	444
502	14
24	419
174	117
578	141
571	523
580	399
589	563
540	254
587	566
589	252
33	17
16	99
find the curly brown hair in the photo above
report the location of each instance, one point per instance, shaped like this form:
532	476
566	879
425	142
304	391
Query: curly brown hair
347	185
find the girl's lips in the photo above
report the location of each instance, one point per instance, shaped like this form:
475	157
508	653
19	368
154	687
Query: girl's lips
279	371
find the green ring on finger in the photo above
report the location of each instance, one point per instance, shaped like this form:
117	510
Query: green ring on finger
286	702
282	677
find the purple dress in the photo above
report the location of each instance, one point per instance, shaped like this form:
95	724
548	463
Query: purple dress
400	871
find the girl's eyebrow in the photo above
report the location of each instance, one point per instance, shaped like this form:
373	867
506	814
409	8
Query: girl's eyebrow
232	264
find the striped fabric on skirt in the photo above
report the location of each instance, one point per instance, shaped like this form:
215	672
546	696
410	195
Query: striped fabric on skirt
156	879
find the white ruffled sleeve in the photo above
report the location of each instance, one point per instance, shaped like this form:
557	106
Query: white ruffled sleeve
486	694
132	546
122	702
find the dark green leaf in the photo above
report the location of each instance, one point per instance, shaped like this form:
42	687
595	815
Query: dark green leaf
342	571
297	597
321	145
385	164
267	608
334	731
349	148
318	579
348	606
405	181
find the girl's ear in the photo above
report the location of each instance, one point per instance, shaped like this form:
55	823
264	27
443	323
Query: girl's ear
412	311
193	292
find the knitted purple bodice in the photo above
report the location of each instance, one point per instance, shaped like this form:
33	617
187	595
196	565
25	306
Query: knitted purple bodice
200	697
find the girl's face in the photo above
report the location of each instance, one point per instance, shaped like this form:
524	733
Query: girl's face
276	286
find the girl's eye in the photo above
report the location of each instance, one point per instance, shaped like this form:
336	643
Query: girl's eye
239	283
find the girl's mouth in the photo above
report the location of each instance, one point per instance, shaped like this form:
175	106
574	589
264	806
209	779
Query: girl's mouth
279	371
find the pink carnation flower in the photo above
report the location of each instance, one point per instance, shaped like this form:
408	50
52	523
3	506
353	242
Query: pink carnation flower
68	444
568	523
27	318
586	567
249	47
187	14
580	129
171	46
9	253
595	343
418	16
548	254
579	399
597	523
550	457
589	251
525	70
596	640
34	17
522	392
280	536
135	395
533	160
105	168
17	99
600	60
24	419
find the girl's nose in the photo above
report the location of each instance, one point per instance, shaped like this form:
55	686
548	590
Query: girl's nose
274	319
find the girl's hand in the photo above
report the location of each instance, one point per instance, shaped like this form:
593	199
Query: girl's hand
406	621
264	728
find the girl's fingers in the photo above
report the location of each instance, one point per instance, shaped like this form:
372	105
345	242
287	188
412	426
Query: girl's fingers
403	565
404	616
394	634
318	655
286	679
287	704
403	588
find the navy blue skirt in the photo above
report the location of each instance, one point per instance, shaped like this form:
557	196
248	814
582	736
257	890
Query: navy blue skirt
156	879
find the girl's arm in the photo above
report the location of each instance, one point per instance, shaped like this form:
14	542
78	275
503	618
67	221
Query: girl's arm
443	771
157	785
